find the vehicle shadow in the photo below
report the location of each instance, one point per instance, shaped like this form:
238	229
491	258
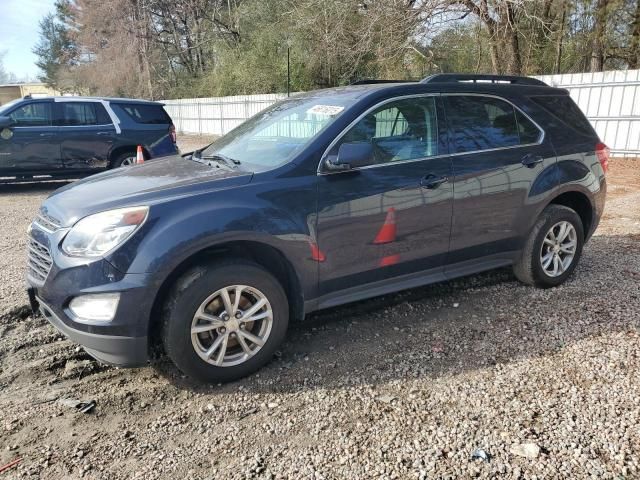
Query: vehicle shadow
452	327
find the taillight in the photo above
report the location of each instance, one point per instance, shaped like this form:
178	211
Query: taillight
602	152
172	133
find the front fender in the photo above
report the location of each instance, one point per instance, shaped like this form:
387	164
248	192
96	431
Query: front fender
176	231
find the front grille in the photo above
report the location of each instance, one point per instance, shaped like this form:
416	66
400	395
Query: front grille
38	261
47	222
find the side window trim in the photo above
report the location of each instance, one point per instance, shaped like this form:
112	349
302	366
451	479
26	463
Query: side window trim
541	137
322	171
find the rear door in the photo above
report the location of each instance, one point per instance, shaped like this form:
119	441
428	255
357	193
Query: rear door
501	161
30	144
86	134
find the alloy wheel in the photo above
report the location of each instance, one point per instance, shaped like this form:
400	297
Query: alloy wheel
231	325
128	162
558	249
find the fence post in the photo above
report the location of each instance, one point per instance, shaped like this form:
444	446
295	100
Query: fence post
221	118
199	118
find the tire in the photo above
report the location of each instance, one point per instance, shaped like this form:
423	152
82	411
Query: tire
530	267
121	160
204	284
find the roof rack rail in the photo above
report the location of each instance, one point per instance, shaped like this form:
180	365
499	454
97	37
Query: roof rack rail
481	78
374	81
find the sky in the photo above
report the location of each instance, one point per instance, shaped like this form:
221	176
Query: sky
19	33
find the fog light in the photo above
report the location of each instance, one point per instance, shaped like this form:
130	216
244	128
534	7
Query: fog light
100	307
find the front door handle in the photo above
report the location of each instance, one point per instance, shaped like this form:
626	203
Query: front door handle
47	134
103	133
531	161
432	181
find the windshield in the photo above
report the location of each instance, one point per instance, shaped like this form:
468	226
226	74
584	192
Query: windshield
4	108
275	135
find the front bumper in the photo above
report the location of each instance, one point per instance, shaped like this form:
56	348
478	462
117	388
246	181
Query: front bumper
112	349
58	279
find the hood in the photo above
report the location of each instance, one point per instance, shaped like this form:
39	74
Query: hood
153	182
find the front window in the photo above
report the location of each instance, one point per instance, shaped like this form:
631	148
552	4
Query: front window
405	129
32	115
275	135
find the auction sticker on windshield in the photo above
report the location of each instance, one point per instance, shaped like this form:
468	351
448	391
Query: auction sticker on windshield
330	110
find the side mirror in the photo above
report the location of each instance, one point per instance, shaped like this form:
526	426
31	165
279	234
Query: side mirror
352	155
5	122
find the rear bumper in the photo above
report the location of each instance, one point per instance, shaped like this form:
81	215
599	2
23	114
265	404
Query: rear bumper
121	351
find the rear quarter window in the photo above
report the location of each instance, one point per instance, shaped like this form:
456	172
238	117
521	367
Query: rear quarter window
146	114
564	109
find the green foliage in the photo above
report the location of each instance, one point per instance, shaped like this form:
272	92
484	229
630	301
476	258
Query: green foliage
55	48
194	48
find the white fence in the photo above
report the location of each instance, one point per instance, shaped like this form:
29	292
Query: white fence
611	101
216	115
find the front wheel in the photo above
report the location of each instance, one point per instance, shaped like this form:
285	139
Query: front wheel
553	248
224	321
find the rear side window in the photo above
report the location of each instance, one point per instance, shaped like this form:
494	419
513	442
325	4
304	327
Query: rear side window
78	113
564	109
102	115
32	115
480	123
528	132
147	114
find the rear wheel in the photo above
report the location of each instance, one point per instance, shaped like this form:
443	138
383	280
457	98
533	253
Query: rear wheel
553	248
124	160
224	321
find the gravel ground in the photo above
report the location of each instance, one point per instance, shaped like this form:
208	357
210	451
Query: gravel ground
403	386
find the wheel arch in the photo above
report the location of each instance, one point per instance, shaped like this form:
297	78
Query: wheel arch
267	256
581	204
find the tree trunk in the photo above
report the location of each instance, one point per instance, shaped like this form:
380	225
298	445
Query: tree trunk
556	66
634	57
493	41
511	42
597	50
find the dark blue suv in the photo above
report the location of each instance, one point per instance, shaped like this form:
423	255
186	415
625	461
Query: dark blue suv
68	136
325	198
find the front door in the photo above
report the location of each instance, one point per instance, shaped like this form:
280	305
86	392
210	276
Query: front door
87	134
499	156
392	218
30	144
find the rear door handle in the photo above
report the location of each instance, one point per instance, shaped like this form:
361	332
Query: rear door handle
104	133
432	181
47	134
531	161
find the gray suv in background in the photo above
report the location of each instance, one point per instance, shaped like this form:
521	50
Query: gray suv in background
65	136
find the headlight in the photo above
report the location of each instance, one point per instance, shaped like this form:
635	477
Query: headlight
95	235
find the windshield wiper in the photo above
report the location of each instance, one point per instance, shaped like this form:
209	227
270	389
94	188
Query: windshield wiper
231	162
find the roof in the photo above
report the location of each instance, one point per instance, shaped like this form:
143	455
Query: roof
97	99
115	99
414	88
23	84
